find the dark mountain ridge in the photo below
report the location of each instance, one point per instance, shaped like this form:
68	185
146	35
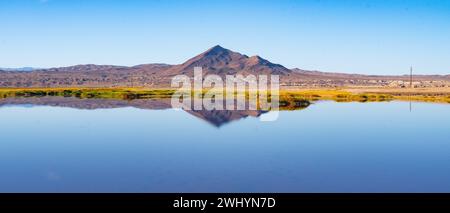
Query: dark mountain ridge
216	60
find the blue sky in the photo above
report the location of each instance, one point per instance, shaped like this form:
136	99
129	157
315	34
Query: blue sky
357	36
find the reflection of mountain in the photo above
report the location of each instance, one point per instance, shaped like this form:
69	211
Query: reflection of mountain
214	117
73	102
221	117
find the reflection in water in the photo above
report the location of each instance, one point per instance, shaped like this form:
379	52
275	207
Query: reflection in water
214	117
331	147
221	117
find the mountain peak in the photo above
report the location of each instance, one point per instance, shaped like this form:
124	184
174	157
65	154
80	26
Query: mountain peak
216	57
219	60
256	58
217	50
217	47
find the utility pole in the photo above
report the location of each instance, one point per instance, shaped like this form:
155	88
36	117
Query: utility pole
411	77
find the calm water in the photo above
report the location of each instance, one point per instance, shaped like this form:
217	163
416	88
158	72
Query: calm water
68	145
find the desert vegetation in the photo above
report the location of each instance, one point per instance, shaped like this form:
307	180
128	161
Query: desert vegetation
287	97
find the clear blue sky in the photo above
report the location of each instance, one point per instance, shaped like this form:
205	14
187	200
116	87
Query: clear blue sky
372	37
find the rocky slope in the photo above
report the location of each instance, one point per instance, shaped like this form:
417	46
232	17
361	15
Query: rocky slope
216	60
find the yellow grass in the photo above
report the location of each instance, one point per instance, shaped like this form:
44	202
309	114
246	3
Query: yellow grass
441	95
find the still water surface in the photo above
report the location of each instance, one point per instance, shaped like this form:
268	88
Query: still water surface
68	145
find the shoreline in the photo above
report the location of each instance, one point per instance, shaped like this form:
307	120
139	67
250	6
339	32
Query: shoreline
349	94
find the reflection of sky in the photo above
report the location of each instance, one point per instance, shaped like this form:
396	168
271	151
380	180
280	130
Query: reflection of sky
331	147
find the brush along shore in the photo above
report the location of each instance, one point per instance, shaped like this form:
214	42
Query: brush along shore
339	95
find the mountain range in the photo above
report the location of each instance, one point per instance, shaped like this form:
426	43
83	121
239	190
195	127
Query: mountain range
216	60
21	69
